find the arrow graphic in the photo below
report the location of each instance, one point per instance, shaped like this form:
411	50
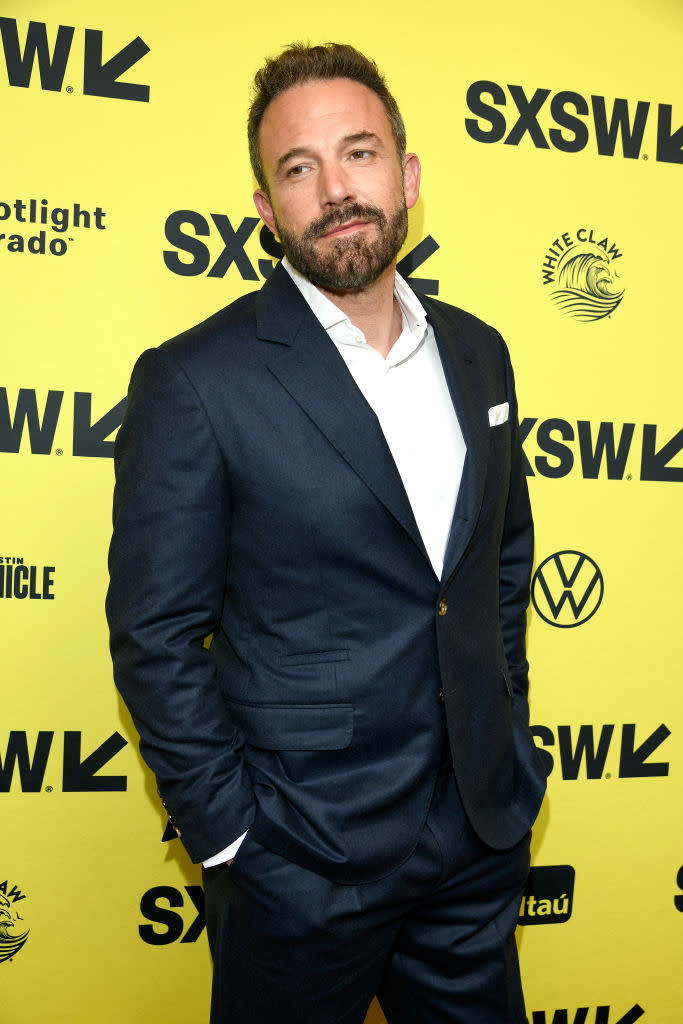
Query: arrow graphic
414	259
169	833
102	79
654	464
80	777
90	438
632	760
632	1015
669	146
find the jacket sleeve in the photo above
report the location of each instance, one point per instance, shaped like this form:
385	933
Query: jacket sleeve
516	558
167	562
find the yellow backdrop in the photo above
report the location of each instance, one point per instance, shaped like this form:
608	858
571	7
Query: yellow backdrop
551	143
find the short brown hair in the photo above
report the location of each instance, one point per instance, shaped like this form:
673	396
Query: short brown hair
301	62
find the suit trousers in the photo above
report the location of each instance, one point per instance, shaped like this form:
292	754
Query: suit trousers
434	940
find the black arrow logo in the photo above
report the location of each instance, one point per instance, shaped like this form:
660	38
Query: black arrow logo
632	760
654	464
414	259
632	1015
102	79
169	833
90	438
80	777
669	146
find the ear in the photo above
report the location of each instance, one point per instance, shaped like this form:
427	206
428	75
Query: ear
411	179
265	210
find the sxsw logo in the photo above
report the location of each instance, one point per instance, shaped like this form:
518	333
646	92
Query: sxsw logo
610	122
549	895
585	1015
226	247
79	774
603	450
88	438
590	745
184	230
156	905
100	77
598	450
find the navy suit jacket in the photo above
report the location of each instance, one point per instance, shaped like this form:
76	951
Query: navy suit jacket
256	500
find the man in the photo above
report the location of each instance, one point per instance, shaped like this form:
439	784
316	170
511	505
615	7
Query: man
326	476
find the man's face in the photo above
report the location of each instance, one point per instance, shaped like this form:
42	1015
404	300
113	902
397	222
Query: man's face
337	193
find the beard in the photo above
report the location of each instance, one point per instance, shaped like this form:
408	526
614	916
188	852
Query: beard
353	262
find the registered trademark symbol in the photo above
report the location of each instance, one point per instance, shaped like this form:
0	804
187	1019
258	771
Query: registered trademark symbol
629	476
58	451
69	89
48	789
645	156
608	775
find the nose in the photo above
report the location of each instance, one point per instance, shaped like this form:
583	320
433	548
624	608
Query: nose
335	186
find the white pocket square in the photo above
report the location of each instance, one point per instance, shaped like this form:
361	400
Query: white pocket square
499	414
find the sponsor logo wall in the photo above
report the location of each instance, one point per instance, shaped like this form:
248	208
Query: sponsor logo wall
550	208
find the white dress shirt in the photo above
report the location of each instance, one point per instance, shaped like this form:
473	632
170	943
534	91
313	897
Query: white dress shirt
408	393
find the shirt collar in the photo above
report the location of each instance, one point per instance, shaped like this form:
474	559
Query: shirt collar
330	316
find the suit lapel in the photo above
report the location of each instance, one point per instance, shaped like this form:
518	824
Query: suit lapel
466	385
308	365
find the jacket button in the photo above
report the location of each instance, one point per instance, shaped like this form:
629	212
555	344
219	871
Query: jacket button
441	698
443	606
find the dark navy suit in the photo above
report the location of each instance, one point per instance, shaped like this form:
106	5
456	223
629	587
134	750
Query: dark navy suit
257	500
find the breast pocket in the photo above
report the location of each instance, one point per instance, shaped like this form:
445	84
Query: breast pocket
499	446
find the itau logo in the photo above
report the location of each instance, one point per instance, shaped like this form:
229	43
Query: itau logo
13	934
549	895
580	268
567	589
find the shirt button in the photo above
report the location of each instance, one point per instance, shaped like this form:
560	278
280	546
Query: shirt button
441	698
443	606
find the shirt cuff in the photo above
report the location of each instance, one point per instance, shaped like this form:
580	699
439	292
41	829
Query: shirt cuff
227	854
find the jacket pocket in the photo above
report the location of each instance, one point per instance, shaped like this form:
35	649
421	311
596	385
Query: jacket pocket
294	726
313	658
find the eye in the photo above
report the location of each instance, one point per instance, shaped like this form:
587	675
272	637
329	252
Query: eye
360	154
296	171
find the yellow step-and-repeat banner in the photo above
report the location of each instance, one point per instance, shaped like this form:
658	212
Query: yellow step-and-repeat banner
552	145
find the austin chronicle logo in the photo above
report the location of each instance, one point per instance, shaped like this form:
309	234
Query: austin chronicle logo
567	589
580	267
13	934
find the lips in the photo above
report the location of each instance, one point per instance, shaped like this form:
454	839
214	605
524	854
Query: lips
337	223
343	229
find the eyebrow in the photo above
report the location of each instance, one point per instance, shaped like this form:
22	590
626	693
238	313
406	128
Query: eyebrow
352	139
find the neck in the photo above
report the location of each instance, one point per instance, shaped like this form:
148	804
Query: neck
373	311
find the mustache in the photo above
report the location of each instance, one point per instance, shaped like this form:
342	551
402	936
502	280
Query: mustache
343	215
